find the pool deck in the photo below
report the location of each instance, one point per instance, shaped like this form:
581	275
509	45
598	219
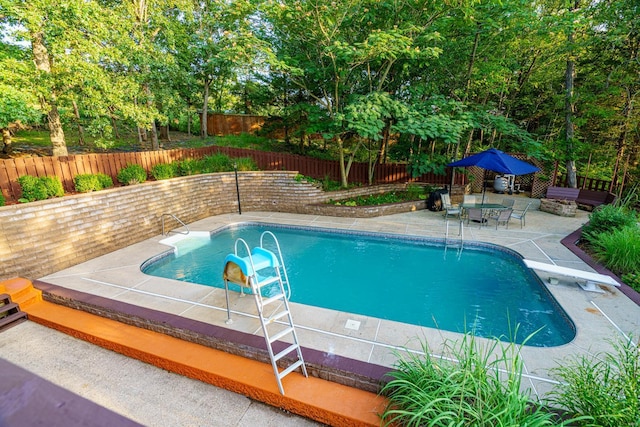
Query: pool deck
599	317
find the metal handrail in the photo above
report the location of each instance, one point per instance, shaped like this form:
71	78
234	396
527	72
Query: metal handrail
177	219
281	260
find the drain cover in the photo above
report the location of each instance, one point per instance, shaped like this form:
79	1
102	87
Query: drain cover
352	324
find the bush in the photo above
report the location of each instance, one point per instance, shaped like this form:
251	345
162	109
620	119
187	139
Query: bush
212	164
132	174
105	180
217	163
188	167
53	186
164	171
633	280
619	249
34	188
3	201
604	388
416	192
482	389
246	164
92	182
607	218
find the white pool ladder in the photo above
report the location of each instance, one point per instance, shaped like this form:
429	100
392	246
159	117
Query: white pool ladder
262	267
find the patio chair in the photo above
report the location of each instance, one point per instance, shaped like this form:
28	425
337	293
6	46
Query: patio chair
448	208
475	215
502	216
521	215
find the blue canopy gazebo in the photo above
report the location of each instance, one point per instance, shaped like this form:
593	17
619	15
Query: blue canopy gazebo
496	161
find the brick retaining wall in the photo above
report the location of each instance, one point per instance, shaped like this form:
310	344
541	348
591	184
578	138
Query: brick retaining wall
43	237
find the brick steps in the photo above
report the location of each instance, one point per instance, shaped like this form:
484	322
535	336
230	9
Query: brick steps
21	291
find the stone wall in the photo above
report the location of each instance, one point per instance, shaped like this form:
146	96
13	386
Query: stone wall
43	237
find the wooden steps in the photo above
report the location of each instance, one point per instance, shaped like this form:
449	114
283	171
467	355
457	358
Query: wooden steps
10	314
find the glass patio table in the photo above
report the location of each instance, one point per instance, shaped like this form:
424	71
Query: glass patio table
487	208
493	206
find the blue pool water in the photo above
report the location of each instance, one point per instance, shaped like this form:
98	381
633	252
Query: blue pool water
483	289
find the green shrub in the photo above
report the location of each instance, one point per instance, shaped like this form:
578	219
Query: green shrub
217	163
619	249
188	167
246	164
132	174
105	180
53	186
3	201
607	218
604	388
415	192
32	189
92	182
164	171
482	389
633	280
84	183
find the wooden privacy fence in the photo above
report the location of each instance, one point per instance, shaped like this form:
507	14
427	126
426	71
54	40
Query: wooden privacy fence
67	167
233	124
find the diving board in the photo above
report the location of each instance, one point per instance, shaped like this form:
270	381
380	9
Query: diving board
591	278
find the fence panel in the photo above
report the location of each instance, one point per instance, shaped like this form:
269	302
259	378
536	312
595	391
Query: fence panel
587	183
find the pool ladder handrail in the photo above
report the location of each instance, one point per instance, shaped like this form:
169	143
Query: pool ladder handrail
256	282
450	242
177	219
454	243
280	259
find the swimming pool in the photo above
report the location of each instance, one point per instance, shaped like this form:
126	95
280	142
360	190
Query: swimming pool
484	289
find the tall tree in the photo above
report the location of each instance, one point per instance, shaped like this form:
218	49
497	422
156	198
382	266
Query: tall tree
220	44
334	50
18	103
42	22
569	104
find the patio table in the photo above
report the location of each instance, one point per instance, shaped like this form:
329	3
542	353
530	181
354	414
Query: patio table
487	208
496	206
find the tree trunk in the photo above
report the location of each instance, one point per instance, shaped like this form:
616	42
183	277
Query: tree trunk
384	144
114	126
622	138
205	106
6	140
154	129
43	65
569	109
76	113
155	145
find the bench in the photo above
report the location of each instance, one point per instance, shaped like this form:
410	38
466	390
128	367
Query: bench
585	198
595	198
591	278
563	193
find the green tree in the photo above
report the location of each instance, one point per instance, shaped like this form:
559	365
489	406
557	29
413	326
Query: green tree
333	51
18	105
